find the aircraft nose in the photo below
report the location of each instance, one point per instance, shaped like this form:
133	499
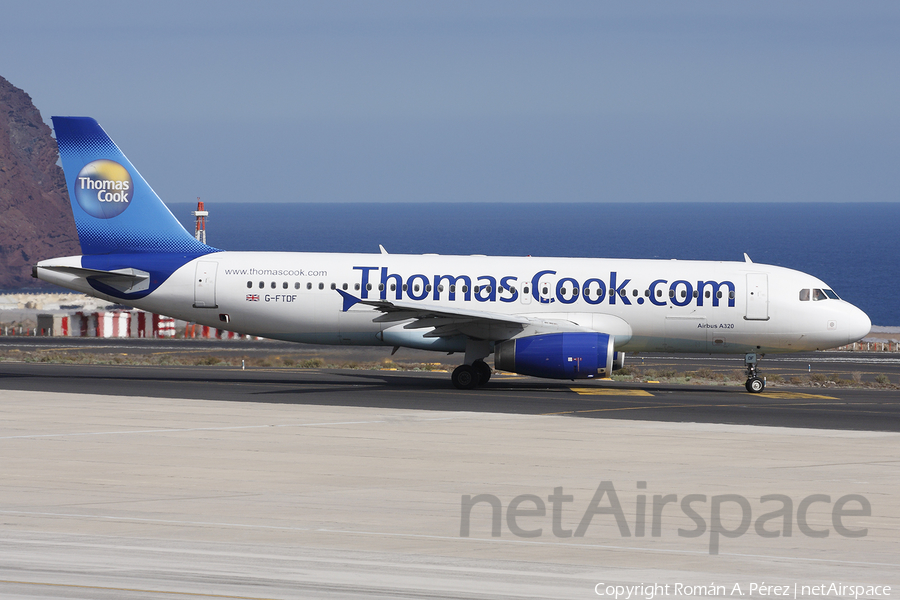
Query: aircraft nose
858	324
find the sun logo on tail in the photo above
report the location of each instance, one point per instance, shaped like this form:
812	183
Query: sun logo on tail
104	188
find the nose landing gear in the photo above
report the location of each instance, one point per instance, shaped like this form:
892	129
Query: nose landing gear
755	384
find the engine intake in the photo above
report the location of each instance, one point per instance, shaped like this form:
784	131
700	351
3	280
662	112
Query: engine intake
568	355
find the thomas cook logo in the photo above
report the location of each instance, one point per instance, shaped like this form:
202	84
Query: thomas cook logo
104	189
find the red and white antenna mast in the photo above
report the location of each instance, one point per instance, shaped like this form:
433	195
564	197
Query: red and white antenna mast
200	216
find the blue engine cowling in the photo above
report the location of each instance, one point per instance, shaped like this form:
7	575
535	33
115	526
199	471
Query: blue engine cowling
569	355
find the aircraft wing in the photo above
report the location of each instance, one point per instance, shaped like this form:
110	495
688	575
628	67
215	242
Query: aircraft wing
450	321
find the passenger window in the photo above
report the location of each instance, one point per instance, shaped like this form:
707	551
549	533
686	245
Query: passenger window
416	288
428	288
321	286
334	286
393	287
623	293
671	293
272	285
659	293
696	293
476	289
544	291
308	285
284	285
525	289
380	287
297	286
440	288
344	286
262	284
707	294
404	287
369	287
634	292
249	284
731	295
718	294
804	295
452	289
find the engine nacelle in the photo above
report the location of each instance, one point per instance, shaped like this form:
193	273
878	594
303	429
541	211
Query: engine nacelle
567	355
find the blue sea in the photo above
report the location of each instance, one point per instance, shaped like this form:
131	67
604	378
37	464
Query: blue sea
852	247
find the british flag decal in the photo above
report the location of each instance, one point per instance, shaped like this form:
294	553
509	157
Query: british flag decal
252	297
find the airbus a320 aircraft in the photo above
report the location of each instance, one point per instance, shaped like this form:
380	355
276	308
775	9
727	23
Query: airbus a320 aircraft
561	318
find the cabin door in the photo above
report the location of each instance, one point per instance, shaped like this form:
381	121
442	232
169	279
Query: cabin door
757	297
205	284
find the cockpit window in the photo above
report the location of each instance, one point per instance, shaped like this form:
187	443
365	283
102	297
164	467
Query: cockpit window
817	295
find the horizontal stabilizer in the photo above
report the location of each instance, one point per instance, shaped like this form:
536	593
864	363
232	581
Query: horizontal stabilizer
123	280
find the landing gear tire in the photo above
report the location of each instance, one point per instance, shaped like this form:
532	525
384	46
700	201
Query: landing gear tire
755	385
483	370
465	377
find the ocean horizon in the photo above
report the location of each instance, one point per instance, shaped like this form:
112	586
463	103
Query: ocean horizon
850	246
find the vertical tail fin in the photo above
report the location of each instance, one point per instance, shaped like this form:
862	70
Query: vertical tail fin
116	211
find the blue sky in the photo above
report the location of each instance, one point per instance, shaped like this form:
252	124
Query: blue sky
478	101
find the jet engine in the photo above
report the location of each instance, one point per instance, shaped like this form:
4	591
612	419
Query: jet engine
567	355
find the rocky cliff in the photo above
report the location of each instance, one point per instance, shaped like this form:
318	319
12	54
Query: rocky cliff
35	218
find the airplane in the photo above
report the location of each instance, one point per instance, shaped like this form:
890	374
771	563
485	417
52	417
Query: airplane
559	318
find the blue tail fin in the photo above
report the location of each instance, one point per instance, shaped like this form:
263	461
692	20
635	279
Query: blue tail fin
116	211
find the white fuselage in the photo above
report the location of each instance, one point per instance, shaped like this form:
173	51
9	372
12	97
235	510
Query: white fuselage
647	305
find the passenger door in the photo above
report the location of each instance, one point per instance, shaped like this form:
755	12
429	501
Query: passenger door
205	284
757	297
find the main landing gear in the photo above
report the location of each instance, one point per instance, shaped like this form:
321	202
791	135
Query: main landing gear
468	377
474	371
755	384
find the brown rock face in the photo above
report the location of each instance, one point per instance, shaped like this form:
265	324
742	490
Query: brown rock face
35	217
